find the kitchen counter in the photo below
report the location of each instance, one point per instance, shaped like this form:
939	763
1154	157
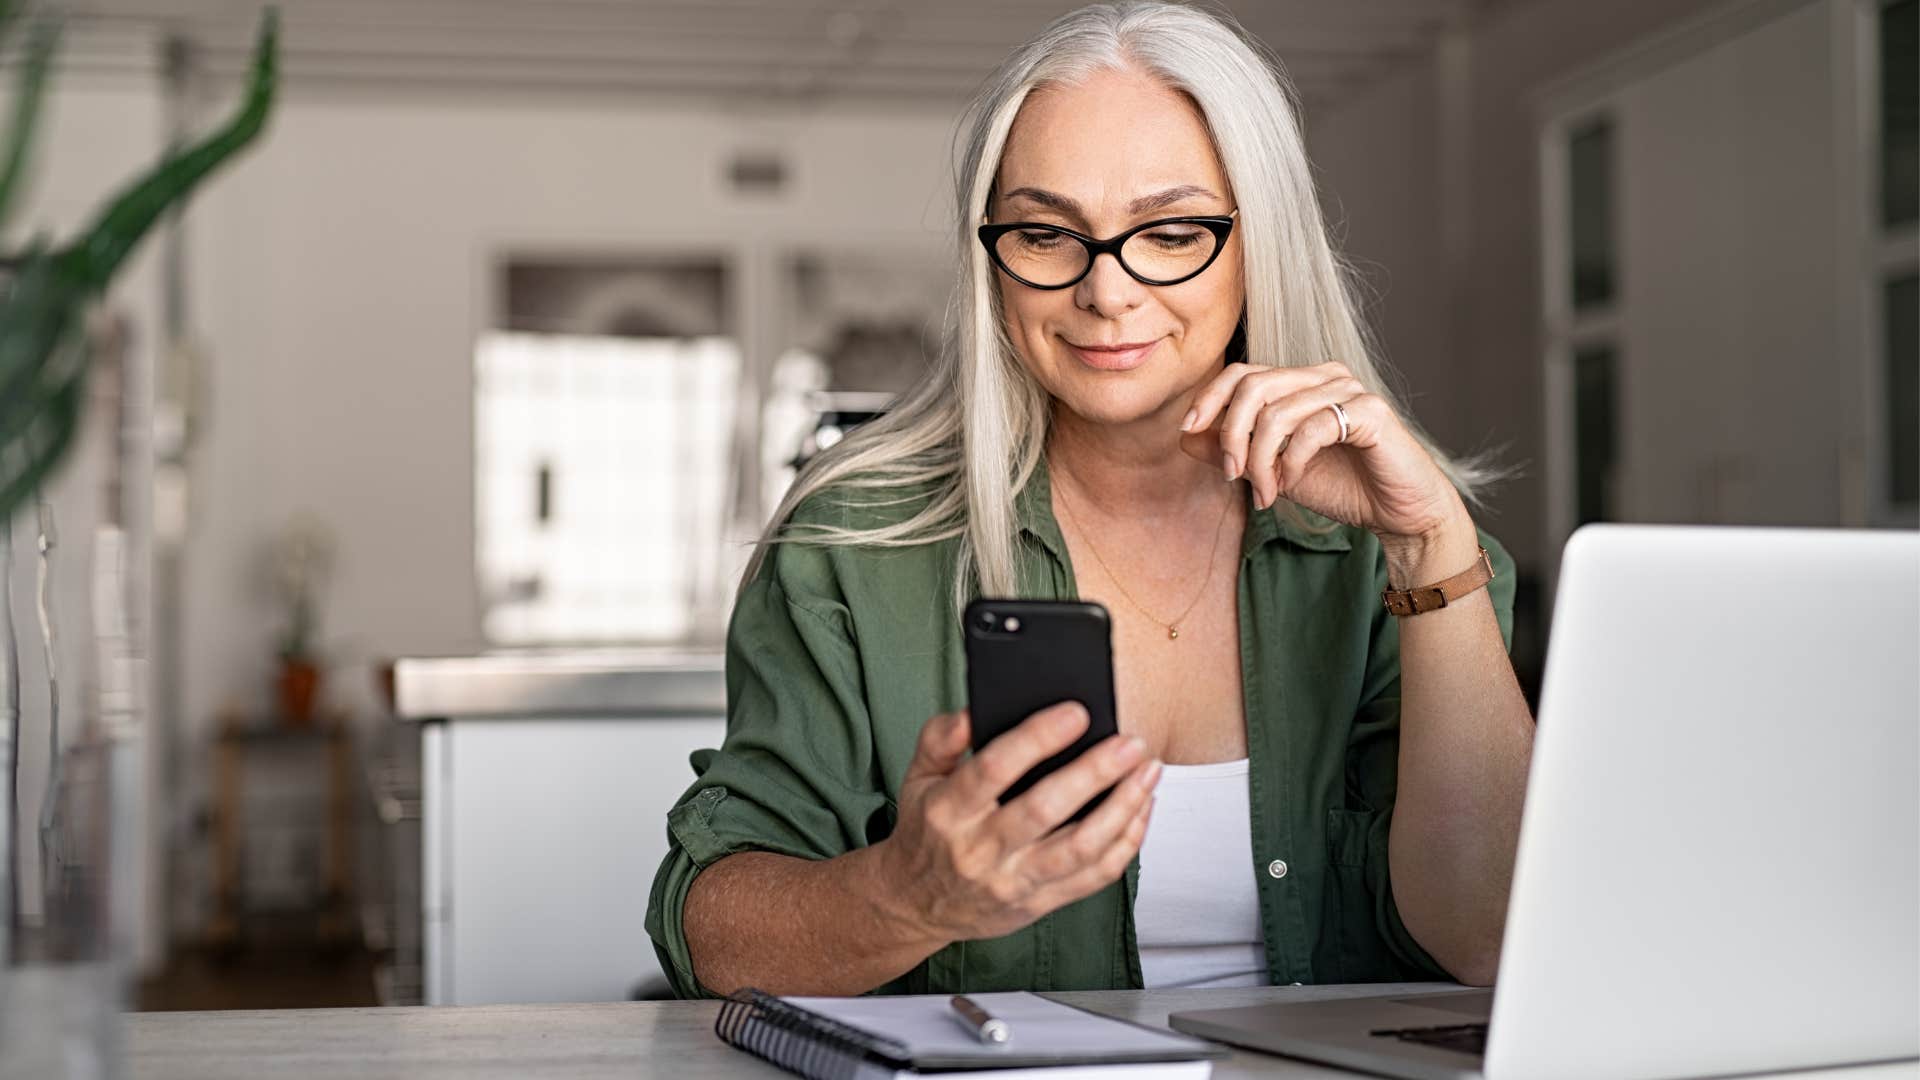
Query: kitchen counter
572	683
545	780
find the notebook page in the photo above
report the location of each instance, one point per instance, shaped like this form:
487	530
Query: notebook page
928	1027
1149	1070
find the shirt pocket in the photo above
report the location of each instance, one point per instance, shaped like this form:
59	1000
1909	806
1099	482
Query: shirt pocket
988	964
1359	952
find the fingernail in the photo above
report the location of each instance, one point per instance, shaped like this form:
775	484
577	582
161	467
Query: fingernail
1130	748
1152	776
1232	467
1187	424
1071	716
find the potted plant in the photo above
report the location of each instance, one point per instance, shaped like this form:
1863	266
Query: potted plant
302	557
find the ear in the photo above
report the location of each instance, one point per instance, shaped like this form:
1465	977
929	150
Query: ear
1237	344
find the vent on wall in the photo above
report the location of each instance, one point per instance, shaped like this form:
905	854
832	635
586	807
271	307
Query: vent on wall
757	172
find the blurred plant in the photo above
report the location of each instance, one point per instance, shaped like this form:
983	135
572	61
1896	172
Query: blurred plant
45	292
300	559
43	365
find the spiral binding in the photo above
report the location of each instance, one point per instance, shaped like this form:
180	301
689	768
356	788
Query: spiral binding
802	1041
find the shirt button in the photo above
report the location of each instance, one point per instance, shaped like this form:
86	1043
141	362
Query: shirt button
1277	869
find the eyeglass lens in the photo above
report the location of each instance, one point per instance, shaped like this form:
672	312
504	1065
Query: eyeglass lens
1046	256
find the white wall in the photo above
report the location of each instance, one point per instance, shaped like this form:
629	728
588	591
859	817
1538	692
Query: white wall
1435	171
1742	360
339	275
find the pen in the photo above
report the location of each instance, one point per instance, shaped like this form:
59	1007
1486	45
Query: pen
984	1025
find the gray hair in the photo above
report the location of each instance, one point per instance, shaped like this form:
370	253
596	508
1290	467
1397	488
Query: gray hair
971	432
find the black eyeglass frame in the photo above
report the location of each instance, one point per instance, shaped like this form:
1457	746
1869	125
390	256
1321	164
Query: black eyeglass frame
1220	225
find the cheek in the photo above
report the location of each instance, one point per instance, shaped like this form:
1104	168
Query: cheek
1208	314
1027	314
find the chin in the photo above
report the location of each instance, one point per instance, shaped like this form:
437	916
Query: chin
1114	399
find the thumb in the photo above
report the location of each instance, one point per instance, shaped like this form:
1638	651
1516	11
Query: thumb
943	742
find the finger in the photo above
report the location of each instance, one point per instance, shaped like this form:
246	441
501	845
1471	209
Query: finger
943	743
1200	435
1105	870
1208	404
980	780
1042	808
1282	418
1255	393
1203	445
1315	433
1214	396
1072	849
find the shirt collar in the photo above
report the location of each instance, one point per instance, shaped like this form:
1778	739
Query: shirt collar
1033	509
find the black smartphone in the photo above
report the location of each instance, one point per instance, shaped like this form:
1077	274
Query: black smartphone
1024	655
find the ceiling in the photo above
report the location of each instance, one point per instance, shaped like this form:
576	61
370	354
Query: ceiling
765	50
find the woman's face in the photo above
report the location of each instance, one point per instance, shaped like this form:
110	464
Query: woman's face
1100	157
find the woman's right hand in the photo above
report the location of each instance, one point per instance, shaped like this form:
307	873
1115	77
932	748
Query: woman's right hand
961	866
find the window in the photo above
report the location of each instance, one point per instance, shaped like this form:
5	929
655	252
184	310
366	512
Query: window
1590	200
1899	113
1903	389
1593	433
1583	350
602	482
1898	257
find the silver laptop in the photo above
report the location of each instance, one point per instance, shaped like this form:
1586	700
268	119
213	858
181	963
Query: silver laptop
1719	863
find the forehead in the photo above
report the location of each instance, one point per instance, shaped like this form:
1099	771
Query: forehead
1114	136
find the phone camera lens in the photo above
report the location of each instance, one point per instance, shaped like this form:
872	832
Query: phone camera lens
987	620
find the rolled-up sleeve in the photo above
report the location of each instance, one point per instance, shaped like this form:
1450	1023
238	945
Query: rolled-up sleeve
1359	832
796	773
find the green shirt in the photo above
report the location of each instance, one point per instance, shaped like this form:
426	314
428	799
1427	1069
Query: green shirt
837	655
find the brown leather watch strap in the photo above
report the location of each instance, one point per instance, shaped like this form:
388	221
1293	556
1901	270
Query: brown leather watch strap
1435	597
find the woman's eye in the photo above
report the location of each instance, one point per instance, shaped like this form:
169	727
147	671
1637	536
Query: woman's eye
1039	239
1175	239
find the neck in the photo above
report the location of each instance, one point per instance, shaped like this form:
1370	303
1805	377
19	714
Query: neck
1130	470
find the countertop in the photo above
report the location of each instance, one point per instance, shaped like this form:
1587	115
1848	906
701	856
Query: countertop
562	683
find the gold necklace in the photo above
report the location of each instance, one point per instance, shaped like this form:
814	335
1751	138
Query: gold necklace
1213	556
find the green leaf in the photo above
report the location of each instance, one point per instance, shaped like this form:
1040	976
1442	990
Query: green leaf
42	373
28	456
133	212
26	107
43	358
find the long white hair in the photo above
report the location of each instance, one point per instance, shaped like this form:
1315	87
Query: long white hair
961	444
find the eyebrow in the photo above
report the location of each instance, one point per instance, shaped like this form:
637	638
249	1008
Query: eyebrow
1056	201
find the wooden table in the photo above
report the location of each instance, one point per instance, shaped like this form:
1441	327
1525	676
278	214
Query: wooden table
333	908
632	1041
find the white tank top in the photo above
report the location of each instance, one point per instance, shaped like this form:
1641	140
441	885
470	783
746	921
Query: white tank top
1197	912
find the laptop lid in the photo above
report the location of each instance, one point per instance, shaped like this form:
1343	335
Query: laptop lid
1719	861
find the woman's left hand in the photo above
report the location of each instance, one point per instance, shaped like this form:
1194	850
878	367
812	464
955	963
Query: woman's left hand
1273	426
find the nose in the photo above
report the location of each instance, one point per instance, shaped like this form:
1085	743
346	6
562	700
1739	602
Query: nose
1108	290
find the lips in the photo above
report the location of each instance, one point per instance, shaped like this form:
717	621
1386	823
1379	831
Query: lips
1120	357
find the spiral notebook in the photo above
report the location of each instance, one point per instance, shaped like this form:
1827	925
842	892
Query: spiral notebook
872	1038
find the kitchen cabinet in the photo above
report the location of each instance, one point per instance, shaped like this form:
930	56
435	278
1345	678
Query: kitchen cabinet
545	784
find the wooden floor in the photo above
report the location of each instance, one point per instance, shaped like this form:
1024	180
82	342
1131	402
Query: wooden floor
260	978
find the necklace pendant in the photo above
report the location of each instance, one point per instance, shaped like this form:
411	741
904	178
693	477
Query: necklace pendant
1172	632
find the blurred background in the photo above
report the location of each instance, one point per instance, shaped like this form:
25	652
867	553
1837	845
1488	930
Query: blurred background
456	401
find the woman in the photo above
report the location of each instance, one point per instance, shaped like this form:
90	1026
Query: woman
1183	424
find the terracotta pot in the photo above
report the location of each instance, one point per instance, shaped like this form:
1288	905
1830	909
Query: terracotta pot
299	686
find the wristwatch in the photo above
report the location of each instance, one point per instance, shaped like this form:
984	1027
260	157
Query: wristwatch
1434	597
